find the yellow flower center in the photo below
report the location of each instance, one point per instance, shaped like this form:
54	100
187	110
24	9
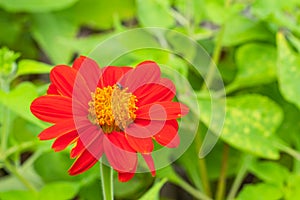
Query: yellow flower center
112	108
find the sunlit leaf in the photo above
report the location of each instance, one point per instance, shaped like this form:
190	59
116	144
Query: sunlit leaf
153	193
260	191
249	125
288	71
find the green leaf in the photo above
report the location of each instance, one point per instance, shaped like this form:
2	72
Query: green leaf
256	65
249	124
288	71
19	100
35	5
32	67
270	172
17	194
292	191
240	30
59	191
53	166
153	193
99	14
260	191
55	35
155	13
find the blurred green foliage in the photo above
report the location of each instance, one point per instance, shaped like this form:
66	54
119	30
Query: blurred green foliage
259	60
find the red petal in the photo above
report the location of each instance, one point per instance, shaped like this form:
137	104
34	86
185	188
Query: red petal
142	145
125	176
85	161
57	130
65	140
149	160
145	73
119	153
52	108
63	78
89	71
153	93
162	111
52	90
168	136
111	75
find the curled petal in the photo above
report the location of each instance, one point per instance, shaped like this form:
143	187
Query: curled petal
149	160
85	161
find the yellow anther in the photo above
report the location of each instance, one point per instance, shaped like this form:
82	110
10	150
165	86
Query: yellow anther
112	108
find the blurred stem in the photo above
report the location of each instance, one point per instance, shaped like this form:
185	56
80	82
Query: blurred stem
106	174
18	175
239	177
222	179
202	166
197	194
216	53
5	117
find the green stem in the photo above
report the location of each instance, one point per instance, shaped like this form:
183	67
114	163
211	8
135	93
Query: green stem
217	52
106	174
202	166
18	175
5	118
197	194
222	179
240	177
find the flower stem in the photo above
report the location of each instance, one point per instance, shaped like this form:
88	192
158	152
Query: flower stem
106	174
197	194
18	175
5	118
222	179
240	177
202	166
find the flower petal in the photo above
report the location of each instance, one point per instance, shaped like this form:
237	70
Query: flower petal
52	108
142	145
162	111
89	71
145	73
125	176
57	130
168	136
63	78
52	90
85	161
119	153
150	93
149	160
65	140
111	75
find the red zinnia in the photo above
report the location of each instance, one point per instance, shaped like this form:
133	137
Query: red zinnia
116	111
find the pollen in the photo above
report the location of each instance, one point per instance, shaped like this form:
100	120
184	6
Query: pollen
112	108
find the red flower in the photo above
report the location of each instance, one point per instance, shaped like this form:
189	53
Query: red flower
116	111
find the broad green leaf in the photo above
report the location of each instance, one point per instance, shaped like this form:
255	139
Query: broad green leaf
59	191
292	191
19	100
53	166
55	36
153	193
193	9
99	14
35	5
249	124
288	71
256	65
18	194
91	191
32	67
240	30
260	191
270	172
155	13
